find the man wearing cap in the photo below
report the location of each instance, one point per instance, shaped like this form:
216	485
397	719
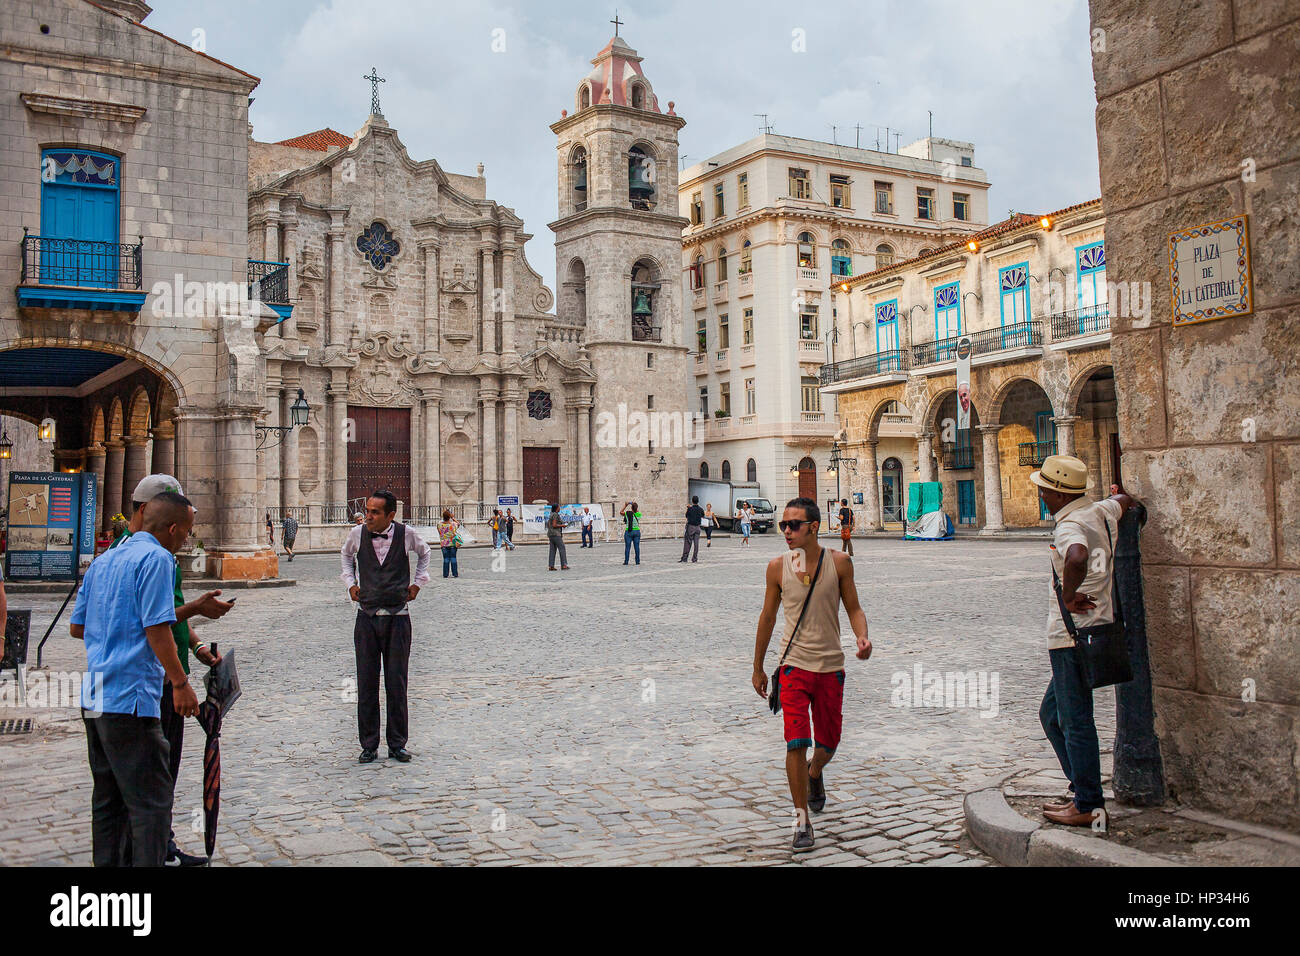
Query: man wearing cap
208	605
1082	555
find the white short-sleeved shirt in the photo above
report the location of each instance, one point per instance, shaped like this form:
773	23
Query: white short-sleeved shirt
1084	522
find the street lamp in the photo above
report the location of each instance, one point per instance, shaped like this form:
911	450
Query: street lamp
659	470
838	459
6	446
299	412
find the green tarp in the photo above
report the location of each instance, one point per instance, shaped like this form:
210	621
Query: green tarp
923	497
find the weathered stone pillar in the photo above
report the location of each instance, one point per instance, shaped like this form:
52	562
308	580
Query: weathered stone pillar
487	303
270	457
240	551
290	494
135	467
584	452
872	498
338	324
1096	492
95	464
488	398
431	340
1065	433
433	450
512	481
289	231
992	480
164	450
508	301
338	446
114	456
925	456
416	440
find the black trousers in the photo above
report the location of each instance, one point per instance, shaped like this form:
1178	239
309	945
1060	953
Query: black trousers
385	638
131	805
173	729
588	535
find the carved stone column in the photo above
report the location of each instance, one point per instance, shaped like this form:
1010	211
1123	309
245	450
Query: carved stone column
134	468
1065	433
1096	492
417	455
338	446
270	457
873	487
925	456
487	298
433	449
584	451
164	450
992	480
95	463
512	481
488	399
338	324
289	231
114	457
290	493
431	342
508	301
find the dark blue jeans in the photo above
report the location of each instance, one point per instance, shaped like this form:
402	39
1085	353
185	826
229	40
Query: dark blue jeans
1066	716
631	538
449	562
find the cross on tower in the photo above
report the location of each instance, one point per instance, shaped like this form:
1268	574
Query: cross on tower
617	22
375	80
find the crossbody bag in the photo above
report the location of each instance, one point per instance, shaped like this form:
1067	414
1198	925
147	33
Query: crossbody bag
1101	648
774	696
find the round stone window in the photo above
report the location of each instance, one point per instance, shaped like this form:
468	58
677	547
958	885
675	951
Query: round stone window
539	405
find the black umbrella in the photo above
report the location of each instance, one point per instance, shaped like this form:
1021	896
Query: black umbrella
222	684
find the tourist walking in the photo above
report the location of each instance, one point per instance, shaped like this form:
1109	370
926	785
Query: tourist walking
808	583
588	520
208	605
377	574
270	532
694	516
746	523
508	535
846	527
495	525
124	613
1082	554
289	533
631	530
555	536
708	522
449	539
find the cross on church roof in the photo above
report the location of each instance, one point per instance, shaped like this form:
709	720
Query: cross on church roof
375	80
617	22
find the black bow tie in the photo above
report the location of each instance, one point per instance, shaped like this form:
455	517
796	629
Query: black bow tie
384	535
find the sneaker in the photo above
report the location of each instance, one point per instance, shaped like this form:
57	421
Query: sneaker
817	793
804	839
176	858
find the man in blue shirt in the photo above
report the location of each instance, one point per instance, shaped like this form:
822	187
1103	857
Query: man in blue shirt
124	612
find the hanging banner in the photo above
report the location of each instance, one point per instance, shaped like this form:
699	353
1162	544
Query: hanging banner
963	383
535	518
51	527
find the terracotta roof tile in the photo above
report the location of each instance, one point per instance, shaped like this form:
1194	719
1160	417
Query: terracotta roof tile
320	140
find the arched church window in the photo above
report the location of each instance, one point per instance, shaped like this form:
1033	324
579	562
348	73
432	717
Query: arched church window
584	99
578	170
539	404
378	246
640	178
638	97
645	289
726	470
704	469
751	470
807	251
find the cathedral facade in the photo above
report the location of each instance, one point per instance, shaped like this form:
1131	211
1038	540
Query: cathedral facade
425	344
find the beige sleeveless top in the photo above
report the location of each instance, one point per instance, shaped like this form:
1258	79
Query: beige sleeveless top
817	645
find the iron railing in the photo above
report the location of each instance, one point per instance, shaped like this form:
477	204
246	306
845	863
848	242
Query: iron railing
895	360
1089	321
87	263
299	513
334	514
268	281
1024	335
958	457
645	332
1034	453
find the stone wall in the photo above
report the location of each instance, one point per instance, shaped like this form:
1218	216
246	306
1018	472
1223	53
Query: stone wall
1198	119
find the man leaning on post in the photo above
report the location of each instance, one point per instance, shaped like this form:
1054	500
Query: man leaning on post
124	612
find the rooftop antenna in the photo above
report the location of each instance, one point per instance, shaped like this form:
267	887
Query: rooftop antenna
834	130
857	142
896	135
929	146
766	127
878	139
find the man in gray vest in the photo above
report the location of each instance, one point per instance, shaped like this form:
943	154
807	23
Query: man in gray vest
377	573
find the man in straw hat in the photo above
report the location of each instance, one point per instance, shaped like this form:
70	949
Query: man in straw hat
1082	557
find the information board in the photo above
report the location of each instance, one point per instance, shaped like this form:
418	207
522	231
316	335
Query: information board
51	526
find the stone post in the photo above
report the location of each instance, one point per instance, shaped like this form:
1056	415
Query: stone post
992	480
135	467
290	493
114	457
925	456
1065	433
433	449
873	516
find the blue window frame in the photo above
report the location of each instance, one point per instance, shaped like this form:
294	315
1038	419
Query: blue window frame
1091	265
80	200
887	336
1013	304
841	265
966	502
947	318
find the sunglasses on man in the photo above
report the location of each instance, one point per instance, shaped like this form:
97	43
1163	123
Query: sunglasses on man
794	525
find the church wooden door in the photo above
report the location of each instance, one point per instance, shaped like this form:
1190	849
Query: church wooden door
541	474
379	456
808	479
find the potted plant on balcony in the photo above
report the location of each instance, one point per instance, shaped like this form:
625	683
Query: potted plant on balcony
722	413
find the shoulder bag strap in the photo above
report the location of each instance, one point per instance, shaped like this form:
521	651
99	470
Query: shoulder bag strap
1060	600
802	611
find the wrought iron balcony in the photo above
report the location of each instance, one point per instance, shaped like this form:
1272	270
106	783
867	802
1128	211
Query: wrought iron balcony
80	274
1024	335
1034	453
268	283
958	457
1079	322
643	331
895	360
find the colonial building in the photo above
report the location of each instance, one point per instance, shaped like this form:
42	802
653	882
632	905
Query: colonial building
1032	296
126	249
416	326
771	223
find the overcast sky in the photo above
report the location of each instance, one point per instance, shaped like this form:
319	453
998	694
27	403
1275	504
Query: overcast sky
1014	77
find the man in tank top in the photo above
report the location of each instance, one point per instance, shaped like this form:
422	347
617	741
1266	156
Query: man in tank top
812	672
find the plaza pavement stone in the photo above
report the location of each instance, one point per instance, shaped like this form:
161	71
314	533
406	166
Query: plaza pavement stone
600	715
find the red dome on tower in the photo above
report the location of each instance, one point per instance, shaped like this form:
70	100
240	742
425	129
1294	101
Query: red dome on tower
617	79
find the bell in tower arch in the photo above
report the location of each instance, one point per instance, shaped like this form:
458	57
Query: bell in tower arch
641	304
640	178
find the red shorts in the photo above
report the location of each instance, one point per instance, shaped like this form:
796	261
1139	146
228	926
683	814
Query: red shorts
824	694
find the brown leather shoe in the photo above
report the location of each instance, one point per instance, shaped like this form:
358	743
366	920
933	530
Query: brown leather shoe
1072	816
1064	803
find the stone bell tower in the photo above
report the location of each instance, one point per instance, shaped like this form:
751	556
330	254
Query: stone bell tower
618	242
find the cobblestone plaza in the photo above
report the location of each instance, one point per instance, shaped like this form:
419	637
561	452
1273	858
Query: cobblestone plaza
599	716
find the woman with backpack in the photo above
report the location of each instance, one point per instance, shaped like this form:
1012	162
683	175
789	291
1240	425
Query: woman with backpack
449	538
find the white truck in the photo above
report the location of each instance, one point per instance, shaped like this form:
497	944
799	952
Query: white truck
727	498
